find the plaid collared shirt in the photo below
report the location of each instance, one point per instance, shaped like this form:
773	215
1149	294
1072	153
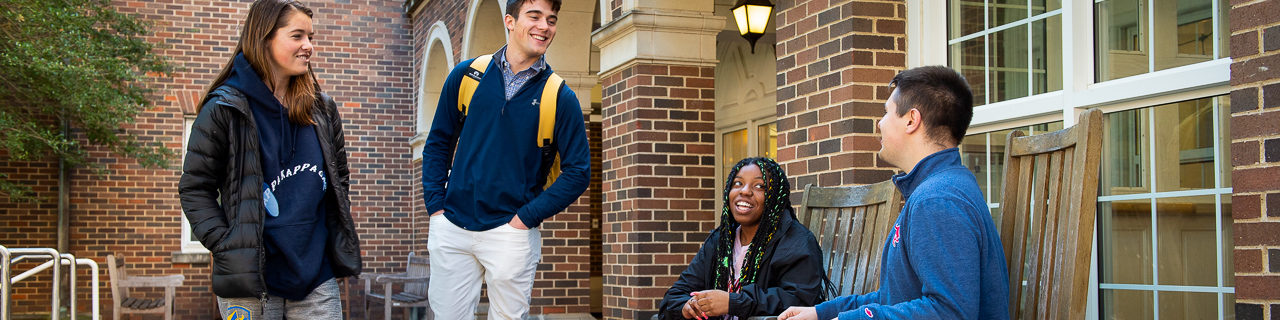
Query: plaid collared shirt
513	81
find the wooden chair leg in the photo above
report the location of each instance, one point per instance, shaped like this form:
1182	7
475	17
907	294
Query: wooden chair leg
386	304
168	303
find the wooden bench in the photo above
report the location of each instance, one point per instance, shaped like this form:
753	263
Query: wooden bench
121	281
1049	204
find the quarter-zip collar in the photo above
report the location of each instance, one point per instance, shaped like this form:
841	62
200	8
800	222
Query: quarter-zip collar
938	161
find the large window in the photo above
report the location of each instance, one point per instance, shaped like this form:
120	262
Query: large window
1141	36
1007	49
190	243
1160	71
1164	214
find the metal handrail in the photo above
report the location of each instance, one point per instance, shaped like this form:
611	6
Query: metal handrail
93	273
57	271
6	283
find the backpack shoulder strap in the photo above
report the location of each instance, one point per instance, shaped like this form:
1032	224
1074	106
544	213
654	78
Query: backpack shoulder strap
547	110
471	81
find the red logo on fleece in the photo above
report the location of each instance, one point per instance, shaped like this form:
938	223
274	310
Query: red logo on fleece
869	313
896	235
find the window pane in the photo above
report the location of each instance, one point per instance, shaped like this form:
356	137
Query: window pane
1228	306
734	148
1125	149
1188	305
1045	127
1042	6
1228	246
1124	248
1224	139
1183	32
1121	39
1046	55
967	57
1184	158
965	17
1187	241
1009	66
1004	12
973	154
767	138
1224	46
1126	304
998	140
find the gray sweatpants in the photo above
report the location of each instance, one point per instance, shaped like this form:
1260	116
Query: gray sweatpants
324	303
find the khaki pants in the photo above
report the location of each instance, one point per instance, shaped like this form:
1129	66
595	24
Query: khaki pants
324	303
504	257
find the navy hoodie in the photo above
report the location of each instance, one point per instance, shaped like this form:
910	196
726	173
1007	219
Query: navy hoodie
293	165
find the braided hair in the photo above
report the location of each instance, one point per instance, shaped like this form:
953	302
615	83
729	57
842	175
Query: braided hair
777	202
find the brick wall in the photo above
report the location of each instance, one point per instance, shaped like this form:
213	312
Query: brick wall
1255	151
363	60
31	224
659	186
454	15
835	60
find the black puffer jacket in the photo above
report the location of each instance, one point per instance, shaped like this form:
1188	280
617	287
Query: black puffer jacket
223	164
794	276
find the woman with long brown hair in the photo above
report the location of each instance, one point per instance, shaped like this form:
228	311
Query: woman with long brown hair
265	181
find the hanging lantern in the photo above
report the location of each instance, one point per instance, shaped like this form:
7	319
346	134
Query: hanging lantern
753	17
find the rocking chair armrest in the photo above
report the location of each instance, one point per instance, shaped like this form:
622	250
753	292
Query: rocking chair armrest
401	278
162	281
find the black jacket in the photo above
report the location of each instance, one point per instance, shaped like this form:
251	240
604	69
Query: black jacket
794	276
221	192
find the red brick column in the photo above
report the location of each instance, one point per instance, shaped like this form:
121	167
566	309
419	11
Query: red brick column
659	183
835	60
1255	154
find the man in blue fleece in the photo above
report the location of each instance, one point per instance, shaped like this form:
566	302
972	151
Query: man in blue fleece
486	196
944	259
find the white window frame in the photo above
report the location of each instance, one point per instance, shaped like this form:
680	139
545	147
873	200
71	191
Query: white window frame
424	114
188	245
927	39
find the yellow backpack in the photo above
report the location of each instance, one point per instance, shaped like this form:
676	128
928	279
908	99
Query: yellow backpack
546	116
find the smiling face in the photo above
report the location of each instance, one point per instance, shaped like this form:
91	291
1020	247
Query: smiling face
290	46
746	196
531	30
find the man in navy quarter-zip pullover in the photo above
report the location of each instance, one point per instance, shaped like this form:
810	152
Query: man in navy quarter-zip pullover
486	198
943	259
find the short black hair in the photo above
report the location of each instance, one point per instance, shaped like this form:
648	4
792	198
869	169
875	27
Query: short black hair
513	6
943	97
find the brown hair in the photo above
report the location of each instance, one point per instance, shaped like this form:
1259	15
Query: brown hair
513	6
943	97
265	16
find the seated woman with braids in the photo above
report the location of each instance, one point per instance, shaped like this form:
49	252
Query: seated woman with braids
758	262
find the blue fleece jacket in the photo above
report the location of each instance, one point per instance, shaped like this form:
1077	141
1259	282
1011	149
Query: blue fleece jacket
294	233
495	168
943	260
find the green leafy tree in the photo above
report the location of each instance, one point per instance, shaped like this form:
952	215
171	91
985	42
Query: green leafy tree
76	63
